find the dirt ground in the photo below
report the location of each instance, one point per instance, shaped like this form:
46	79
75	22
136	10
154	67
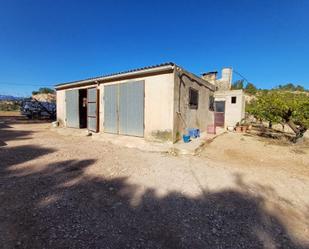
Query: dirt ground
73	192
4	114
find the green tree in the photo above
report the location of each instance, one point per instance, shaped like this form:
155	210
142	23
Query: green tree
46	90
43	90
300	88
280	106
239	84
291	87
250	89
288	87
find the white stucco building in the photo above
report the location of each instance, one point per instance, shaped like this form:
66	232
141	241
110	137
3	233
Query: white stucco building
229	104
158	103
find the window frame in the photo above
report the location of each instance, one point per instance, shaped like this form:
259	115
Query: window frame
211	104
222	105
193	105
233	97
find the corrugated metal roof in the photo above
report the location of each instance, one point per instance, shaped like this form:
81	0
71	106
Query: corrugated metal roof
119	73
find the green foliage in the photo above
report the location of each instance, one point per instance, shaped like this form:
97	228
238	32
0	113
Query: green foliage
250	89
281	106
239	84
43	90
263	108
300	113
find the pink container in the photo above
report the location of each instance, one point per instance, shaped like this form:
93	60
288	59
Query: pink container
211	129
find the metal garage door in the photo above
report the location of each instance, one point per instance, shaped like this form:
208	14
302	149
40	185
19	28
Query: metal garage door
92	112
111	109
124	108
72	108
131	108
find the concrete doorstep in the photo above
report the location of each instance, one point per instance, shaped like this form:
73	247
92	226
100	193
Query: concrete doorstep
180	148
196	145
132	142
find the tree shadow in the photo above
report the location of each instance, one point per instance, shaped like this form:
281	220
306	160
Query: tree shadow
21	119
9	134
63	206
20	154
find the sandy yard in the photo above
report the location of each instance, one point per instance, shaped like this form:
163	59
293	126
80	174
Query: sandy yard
73	192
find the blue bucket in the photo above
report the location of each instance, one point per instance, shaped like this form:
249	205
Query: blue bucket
194	132
197	133
186	138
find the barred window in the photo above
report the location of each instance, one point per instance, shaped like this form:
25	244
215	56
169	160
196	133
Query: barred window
211	103
193	98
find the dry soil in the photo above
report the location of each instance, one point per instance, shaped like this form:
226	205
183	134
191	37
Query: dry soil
73	192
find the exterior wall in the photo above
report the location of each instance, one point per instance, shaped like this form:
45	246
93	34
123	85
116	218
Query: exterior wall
61	106
184	117
211	77
158	113
60	101
233	112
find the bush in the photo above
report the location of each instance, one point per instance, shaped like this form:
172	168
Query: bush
9	105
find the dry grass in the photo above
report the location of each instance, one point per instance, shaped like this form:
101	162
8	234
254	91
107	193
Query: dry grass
10	114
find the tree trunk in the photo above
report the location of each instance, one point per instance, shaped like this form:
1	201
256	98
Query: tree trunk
292	126
299	132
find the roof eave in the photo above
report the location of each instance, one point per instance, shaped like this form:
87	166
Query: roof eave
128	75
202	81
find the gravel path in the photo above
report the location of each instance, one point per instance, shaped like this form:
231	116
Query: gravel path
73	192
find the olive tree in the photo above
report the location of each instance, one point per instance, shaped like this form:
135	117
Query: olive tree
282	107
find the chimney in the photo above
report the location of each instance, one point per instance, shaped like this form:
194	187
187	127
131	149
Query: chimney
211	77
225	83
227	76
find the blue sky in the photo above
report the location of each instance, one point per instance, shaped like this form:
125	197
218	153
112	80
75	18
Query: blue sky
45	42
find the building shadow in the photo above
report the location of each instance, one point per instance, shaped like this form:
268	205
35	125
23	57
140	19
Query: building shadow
63	206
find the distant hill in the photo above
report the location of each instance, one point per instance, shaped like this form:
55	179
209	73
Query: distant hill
44	97
10	98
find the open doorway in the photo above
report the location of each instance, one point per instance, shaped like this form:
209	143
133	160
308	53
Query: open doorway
83	108
219	113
